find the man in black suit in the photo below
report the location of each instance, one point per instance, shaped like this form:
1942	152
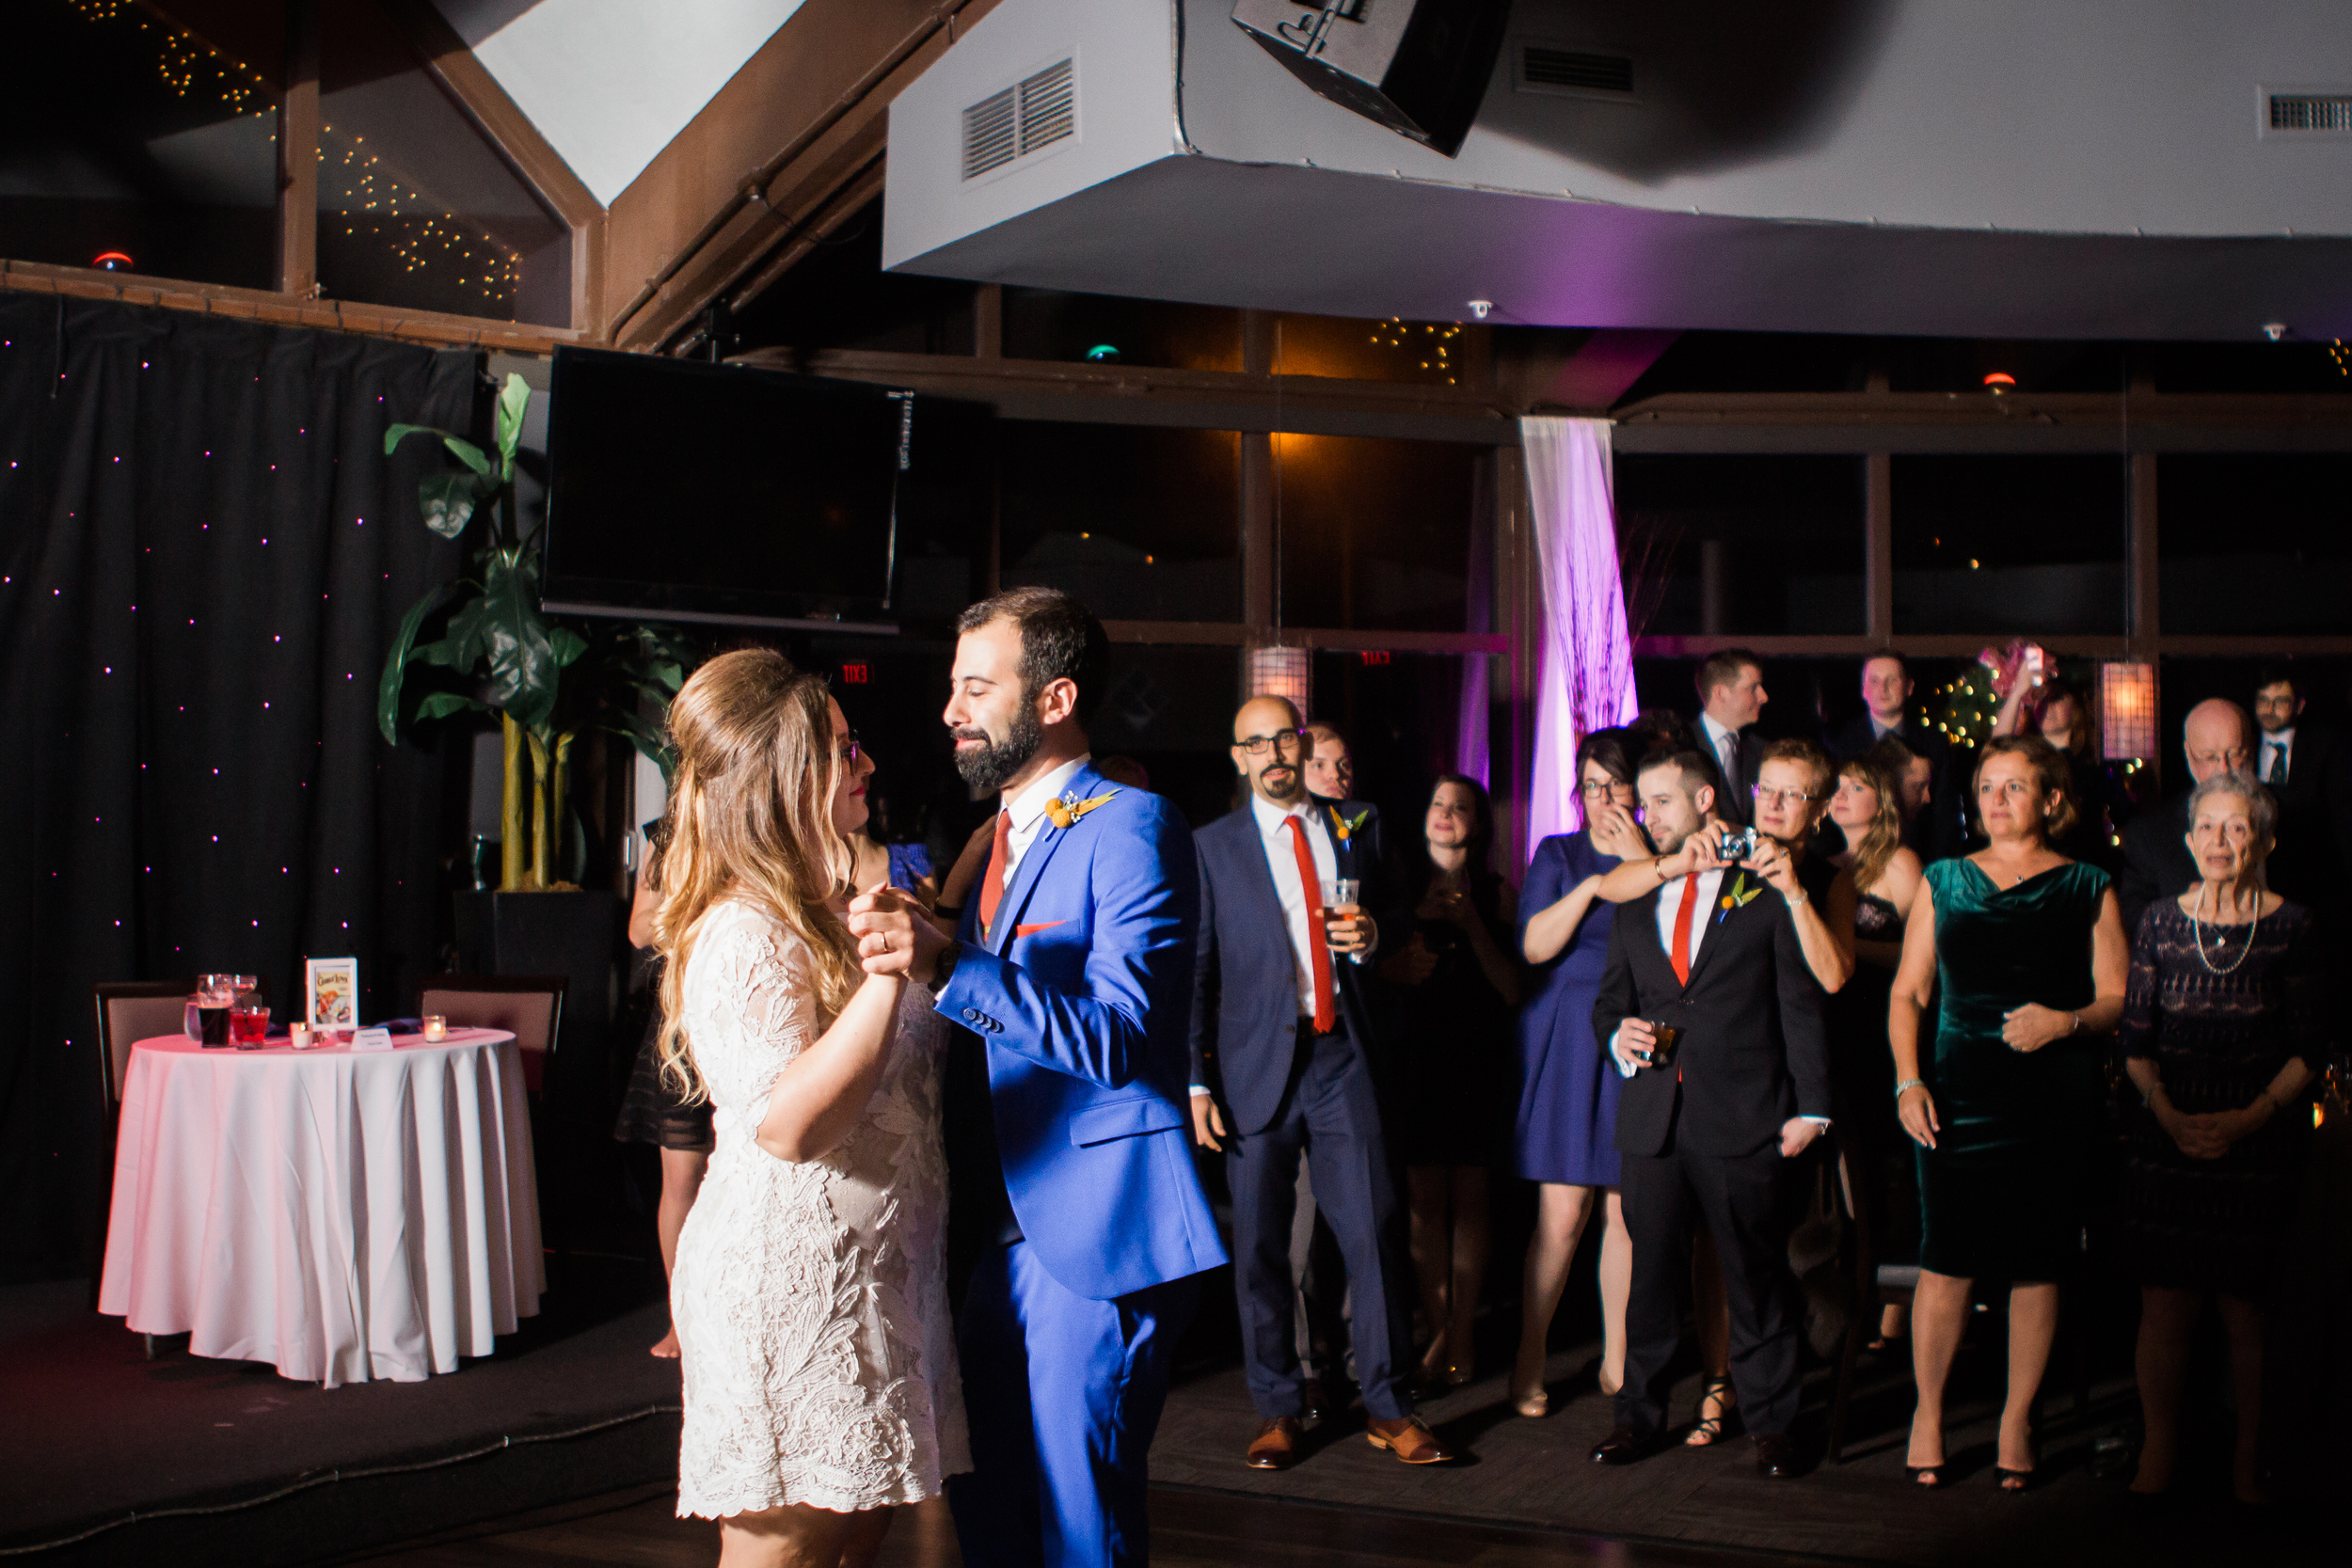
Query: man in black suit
1886	688
1710	1119
2219	738
1281	1069
1731	698
2307	766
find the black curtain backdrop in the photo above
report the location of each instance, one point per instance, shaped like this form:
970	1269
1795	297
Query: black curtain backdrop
206	552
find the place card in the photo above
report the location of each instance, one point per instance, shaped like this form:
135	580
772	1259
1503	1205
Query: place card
372	1039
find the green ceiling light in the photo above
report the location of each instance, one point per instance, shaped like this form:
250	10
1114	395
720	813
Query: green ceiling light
1103	352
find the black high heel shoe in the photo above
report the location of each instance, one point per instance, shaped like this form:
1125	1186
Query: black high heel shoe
2015	1482
1927	1478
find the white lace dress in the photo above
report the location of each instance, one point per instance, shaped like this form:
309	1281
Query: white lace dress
811	1299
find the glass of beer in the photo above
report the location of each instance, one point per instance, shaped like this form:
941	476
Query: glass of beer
1663	1053
1340	895
214	995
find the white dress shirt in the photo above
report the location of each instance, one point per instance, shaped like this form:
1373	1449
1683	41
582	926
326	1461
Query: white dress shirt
1705	887
1727	745
1282	861
2283	743
1029	811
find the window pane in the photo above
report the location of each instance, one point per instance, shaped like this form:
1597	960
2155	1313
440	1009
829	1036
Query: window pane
1746	546
416	208
1048	324
1400	712
2023	545
122	135
1392	350
1142	522
1374	534
2254	542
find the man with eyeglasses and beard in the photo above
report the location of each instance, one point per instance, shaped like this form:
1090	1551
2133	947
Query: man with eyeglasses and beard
1282	1033
1075	1208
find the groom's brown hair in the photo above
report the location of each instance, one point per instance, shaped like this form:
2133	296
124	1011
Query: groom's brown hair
1061	640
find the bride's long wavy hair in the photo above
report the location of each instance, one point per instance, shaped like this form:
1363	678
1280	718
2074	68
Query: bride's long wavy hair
750	817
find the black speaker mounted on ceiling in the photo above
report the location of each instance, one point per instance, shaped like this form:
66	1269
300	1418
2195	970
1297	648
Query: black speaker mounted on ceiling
1418	66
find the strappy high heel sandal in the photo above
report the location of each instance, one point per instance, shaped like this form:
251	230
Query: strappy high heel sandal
1709	1429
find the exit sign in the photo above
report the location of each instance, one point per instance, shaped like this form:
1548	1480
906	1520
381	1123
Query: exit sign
1376	656
853	674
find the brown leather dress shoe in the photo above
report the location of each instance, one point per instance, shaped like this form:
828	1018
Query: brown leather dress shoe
1407	1439
1776	1456
1276	1447
1623	1446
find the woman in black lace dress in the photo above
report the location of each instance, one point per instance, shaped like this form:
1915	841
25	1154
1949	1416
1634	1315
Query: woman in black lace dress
1868	808
2222	1026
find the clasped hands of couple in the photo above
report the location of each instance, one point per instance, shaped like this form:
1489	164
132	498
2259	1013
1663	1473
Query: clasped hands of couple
1614	832
896	935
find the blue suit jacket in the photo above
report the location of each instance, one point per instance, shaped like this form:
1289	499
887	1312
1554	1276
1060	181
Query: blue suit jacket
1080	994
1244	1012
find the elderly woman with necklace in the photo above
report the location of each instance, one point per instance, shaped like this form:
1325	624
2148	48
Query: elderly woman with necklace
2222	1025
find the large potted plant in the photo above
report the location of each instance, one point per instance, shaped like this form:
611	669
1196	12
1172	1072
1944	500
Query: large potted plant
498	652
480	642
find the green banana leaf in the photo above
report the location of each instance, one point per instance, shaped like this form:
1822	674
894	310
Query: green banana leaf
448	501
506	624
396	659
513	401
465	451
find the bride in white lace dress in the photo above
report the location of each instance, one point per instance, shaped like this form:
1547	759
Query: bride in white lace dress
809	1293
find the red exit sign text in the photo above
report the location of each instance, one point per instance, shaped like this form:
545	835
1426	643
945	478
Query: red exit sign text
853	674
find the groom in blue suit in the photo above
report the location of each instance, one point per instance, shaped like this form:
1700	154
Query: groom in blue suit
1070	976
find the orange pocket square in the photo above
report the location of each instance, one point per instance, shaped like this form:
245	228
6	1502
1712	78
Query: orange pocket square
1032	930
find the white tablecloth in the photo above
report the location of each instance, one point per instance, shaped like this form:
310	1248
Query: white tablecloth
342	1214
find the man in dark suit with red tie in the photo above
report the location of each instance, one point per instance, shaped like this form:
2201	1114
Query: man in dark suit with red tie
1713	1117
1281	1037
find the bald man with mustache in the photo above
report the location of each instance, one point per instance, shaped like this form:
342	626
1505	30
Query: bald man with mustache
2218	738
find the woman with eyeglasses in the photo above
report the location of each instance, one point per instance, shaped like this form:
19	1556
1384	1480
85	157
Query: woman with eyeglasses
2023	952
819	1364
2224	1019
1566	1138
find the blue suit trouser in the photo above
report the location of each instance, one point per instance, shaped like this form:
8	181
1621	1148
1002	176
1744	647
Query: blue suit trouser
1327	1115
1064	1393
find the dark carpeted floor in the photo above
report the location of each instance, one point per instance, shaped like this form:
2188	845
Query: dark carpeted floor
91	1431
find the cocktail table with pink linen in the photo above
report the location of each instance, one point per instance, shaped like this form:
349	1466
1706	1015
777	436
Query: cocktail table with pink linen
342	1214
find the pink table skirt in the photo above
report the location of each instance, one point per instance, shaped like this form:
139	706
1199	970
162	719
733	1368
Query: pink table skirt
342	1215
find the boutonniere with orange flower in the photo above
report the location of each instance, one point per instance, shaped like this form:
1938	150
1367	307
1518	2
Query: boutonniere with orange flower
1741	895
1343	828
1066	810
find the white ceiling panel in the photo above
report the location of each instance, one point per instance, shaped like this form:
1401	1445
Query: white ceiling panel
610	81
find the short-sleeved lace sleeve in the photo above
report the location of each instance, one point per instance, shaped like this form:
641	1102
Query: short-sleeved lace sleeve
749	1007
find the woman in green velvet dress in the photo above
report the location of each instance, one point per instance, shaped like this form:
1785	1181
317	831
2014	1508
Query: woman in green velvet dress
2027	953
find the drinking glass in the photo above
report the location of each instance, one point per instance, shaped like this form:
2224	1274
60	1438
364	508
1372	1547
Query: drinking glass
248	1021
1338	900
214	995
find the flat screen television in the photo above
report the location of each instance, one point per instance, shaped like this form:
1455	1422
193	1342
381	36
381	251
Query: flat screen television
690	491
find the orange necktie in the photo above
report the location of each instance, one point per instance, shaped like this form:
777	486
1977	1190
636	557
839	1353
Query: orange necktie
1679	955
1326	1015
993	884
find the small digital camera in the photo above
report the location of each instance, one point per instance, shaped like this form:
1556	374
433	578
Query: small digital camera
1737	844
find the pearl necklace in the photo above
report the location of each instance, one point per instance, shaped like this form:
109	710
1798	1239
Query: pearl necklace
2221	938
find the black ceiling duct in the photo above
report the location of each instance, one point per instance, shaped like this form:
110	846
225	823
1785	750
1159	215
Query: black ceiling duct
1418	66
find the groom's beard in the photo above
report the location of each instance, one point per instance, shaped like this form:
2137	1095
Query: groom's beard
991	766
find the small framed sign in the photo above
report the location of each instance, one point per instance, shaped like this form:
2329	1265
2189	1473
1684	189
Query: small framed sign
331	995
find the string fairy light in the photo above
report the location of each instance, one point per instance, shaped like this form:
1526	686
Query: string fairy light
1435	341
418	230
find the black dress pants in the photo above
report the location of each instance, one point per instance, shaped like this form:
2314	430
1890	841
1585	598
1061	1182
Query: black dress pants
1329	1117
1744	1202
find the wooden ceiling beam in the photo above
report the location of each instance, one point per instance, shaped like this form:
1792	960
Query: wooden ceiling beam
800	121
434	328
511	132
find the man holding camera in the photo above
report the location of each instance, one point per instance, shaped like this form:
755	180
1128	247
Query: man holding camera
1710	1007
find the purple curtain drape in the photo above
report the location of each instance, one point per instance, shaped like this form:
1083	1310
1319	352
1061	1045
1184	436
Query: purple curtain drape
1585	674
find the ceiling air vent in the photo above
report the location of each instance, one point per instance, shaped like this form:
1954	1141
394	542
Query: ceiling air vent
1031	114
2303	112
1573	72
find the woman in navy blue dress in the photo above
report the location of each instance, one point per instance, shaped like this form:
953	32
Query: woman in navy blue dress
1568	1113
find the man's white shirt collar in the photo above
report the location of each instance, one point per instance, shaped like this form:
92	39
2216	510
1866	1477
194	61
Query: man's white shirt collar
1027	806
1270	816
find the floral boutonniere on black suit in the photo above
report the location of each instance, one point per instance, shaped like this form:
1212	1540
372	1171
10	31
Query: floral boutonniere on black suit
1343	828
1741	895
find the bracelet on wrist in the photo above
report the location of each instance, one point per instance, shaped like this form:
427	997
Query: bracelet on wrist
1909	1084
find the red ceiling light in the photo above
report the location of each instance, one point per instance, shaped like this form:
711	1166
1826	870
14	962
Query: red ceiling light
112	260
2000	381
